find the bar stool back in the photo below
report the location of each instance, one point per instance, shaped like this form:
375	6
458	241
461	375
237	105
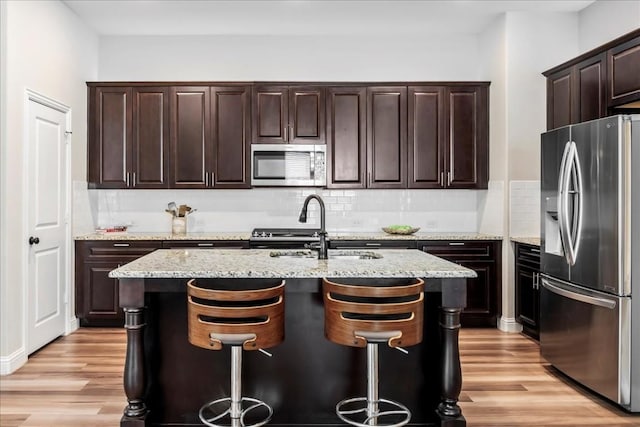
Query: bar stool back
358	315
242	319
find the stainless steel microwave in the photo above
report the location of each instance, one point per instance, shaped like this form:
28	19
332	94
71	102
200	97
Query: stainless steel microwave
288	165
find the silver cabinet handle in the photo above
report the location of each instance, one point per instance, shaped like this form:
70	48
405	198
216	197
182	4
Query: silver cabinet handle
535	250
373	244
448	178
133	181
456	243
205	245
442	179
127	179
286	133
121	245
291	134
213	179
206	179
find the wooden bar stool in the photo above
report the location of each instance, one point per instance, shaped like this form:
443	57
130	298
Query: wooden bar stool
242	319
360	315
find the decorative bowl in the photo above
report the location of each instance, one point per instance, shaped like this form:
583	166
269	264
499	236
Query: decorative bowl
400	229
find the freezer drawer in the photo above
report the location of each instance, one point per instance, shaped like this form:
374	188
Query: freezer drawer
586	335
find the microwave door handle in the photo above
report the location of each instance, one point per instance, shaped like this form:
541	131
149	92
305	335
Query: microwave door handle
312	165
562	202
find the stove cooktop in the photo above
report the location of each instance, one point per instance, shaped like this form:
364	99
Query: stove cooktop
292	234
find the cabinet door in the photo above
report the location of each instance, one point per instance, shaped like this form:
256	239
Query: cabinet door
109	148
527	299
101	303
346	137
482	308
190	137
589	102
231	123
150	148
624	73
559	99
467	136
426	124
306	115
387	137
270	115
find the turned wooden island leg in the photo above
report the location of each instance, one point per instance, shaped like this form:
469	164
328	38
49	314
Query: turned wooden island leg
132	301
454	298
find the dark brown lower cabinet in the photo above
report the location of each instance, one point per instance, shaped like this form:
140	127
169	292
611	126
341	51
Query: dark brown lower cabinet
483	293
527	274
97	301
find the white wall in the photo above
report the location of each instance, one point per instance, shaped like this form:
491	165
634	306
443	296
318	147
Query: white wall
605	20
50	51
289	58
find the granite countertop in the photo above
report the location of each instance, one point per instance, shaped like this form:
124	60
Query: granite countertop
244	235
257	263
213	235
535	241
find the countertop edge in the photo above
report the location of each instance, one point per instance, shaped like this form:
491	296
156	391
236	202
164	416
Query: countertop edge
534	241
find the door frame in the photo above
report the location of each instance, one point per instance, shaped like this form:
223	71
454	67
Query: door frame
70	321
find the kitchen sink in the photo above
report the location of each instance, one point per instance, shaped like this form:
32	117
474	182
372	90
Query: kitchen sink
332	254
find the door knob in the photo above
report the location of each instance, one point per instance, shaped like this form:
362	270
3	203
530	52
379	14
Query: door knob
34	240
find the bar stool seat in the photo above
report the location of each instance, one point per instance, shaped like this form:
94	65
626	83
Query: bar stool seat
361	315
242	319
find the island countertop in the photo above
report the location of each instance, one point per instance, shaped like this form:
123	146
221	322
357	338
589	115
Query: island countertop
258	263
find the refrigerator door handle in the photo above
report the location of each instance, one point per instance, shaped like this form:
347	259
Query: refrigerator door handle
601	302
563	196
576	226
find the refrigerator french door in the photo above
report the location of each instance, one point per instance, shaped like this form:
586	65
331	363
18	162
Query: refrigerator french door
590	243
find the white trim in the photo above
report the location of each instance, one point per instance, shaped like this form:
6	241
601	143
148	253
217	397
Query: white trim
12	362
4	285
509	324
31	95
72	325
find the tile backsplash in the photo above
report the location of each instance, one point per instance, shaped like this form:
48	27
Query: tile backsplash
524	197
242	210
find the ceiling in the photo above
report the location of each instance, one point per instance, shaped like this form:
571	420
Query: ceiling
302	17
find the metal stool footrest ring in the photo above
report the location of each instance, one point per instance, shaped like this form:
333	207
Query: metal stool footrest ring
238	421
372	416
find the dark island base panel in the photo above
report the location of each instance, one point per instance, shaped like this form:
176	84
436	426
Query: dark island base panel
304	379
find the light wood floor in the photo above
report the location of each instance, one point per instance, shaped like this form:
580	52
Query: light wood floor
77	381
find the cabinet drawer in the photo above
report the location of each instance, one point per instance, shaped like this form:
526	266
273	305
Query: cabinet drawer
459	249
372	244
126	250
204	244
528	256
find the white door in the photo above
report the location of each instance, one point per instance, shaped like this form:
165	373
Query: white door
47	224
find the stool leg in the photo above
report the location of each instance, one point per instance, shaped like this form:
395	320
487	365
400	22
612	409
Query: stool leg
372	382
236	384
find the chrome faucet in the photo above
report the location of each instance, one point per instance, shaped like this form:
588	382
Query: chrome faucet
322	249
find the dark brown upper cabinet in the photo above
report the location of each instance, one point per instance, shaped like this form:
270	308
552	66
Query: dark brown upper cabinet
346	137
150	149
191	142
128	137
467	137
387	137
288	114
576	94
209	136
426	152
231	128
559	99
595	84
624	73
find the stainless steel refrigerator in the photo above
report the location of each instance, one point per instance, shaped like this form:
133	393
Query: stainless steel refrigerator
590	255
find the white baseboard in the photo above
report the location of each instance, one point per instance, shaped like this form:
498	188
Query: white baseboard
72	325
12	362
509	324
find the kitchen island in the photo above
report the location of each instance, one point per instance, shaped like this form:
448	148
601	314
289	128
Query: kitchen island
166	379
